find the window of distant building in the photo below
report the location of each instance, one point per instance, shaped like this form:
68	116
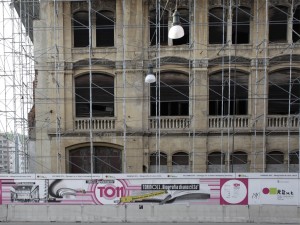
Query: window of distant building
239	161
180	162
102	24
102	89
228	93
278	23
174	95
157	159
105	160
81	29
158	27
219	25
296	25
284	92
105	26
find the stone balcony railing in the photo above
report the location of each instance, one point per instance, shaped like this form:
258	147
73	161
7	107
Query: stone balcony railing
170	123
237	121
282	121
84	124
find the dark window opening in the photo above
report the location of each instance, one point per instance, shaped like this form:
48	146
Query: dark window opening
294	158
275	157
155	22
105	29
284	92
296	25
102	95
239	158
278	23
216	158
81	29
217	26
219	90
241	25
185	23
180	158
154	159
105	160
174	95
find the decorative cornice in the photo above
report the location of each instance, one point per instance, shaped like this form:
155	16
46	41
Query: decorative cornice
225	60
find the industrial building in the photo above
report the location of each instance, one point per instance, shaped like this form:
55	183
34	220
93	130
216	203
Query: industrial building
222	98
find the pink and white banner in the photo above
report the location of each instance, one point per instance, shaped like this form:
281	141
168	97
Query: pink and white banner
198	189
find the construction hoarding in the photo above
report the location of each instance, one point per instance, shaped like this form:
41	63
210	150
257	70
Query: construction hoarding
112	189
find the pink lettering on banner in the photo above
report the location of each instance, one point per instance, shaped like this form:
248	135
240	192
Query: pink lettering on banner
110	193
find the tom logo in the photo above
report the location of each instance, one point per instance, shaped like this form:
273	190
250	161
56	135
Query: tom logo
110	193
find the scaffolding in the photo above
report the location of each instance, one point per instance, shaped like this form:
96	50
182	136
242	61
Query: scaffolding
208	92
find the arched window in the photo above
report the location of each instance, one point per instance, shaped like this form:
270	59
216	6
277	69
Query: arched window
102	95
284	92
155	160
240	25
294	161
239	161
216	162
229	93
217	25
105	26
105	160
296	24
180	162
174	95
81	29
155	23
275	162
185	23
278	23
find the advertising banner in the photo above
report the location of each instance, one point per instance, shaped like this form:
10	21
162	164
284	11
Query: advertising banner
112	189
273	191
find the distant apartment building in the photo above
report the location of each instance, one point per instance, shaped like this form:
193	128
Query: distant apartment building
12	158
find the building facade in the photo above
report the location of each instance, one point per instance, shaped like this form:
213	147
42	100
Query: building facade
226	96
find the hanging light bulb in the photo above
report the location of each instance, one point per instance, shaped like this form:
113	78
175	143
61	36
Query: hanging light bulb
150	78
176	30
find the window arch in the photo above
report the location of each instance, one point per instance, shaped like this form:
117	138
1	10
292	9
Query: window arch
185	23
163	20
81	29
240	25
217	25
174	94
228	93
284	92
105	160
153	161
278	21
102	95
105	25
180	162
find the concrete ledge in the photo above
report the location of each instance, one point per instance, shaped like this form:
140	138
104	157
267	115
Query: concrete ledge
150	213
272	213
3	213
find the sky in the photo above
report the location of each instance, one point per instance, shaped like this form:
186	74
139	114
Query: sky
15	72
